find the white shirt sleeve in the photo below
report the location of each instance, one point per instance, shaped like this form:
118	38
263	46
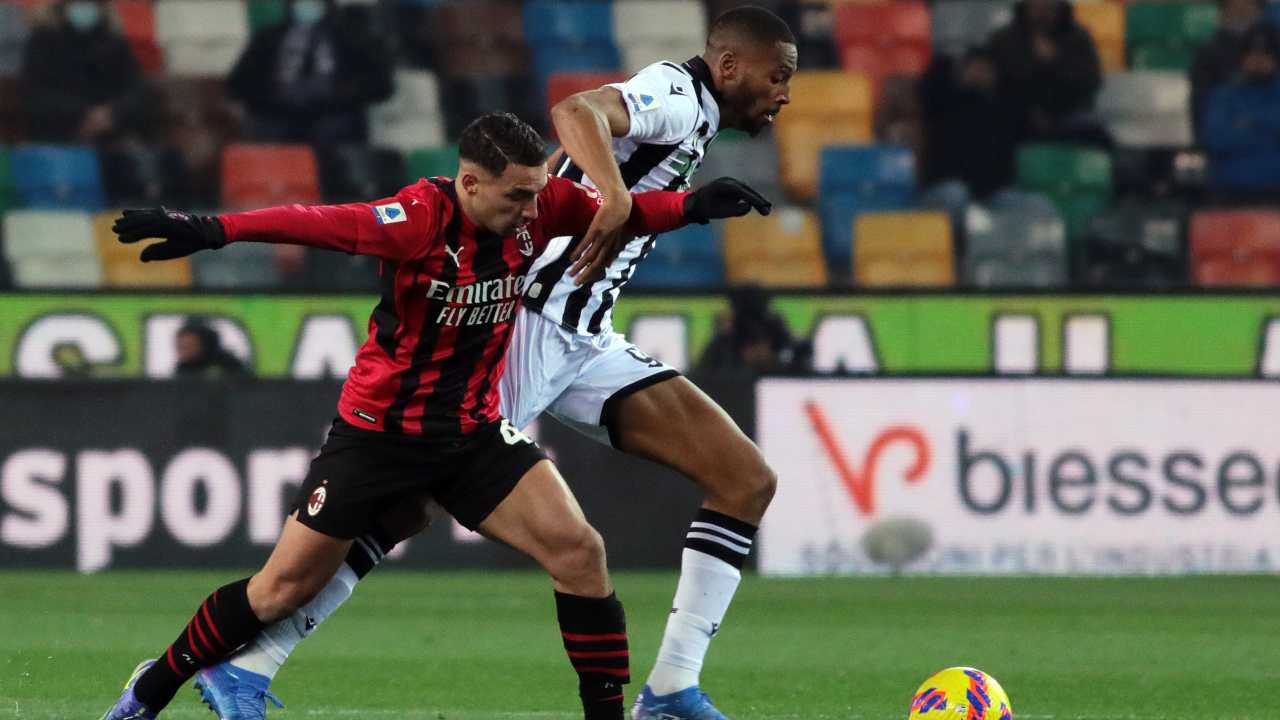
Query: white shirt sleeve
661	103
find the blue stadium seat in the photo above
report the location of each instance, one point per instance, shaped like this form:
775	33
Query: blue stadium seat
860	178
58	177
687	258
574	58
568	22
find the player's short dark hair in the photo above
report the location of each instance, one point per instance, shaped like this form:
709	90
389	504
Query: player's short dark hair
495	140
758	25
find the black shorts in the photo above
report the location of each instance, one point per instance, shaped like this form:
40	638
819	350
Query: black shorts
359	473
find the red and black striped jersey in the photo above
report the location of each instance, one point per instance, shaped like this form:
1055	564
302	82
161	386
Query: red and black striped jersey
450	290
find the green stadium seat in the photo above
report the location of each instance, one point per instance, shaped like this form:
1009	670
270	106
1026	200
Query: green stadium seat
1164	35
265	13
432	162
1077	180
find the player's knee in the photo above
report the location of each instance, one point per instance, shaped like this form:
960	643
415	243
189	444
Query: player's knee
748	490
578	556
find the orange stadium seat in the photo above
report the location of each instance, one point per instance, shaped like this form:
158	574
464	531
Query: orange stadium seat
138	21
827	108
121	267
255	176
903	249
898	32
781	250
1236	248
1104	19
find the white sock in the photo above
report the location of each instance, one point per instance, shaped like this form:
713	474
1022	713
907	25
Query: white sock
706	588
269	651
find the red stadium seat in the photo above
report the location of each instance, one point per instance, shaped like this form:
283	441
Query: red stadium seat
138	21
882	23
255	176
1236	248
562	85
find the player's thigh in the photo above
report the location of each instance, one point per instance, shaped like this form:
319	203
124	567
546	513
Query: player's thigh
540	363
616	370
676	424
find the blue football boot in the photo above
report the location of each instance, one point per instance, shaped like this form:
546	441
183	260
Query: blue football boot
688	704
129	707
233	693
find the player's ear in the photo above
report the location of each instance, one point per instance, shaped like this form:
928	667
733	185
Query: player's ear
729	64
470	183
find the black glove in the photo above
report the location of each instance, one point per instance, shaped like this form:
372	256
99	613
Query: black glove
723	198
183	233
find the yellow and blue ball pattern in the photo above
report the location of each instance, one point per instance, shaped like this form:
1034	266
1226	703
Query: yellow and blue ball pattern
961	693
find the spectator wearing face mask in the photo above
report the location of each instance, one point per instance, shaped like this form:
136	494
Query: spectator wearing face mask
80	80
1218	60
1242	120
310	78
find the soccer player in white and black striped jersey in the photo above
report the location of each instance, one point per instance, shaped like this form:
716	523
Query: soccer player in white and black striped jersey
648	133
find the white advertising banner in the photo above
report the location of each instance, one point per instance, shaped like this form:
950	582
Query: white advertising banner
1028	475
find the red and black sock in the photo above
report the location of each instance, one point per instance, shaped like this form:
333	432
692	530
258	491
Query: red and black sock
595	637
223	623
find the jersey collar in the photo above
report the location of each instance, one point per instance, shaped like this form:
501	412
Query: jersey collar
701	72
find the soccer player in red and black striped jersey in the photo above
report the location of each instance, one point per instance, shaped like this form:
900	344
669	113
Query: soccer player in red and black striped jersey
419	411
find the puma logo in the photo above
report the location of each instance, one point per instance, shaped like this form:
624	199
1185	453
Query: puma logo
454	254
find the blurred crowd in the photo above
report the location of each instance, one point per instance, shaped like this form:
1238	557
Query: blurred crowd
972	143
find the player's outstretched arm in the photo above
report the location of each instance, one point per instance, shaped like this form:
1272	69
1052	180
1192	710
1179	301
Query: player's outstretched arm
395	228
721	198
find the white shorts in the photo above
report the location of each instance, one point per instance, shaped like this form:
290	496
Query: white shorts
575	378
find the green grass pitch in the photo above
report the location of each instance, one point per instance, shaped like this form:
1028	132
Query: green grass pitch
470	646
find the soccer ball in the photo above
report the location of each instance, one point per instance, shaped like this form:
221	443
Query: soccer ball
961	693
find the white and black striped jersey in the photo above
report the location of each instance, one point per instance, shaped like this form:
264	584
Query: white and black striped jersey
674	117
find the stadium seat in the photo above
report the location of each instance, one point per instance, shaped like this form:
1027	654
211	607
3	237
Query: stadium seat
1077	179
751	160
138	23
240	266
686	258
574	59
562	85
1015	247
783	249
1146	108
201	38
145	176
57	176
827	108
1273	13
858	179
432	162
51	249
122	268
265	13
1136	246
883	39
1104	19
13	38
568	23
8	192
1238	248
480	38
256	176
959	25
903	249
648	31
412	116
1164	35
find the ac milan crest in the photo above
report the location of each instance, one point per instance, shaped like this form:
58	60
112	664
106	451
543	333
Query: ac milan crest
316	502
